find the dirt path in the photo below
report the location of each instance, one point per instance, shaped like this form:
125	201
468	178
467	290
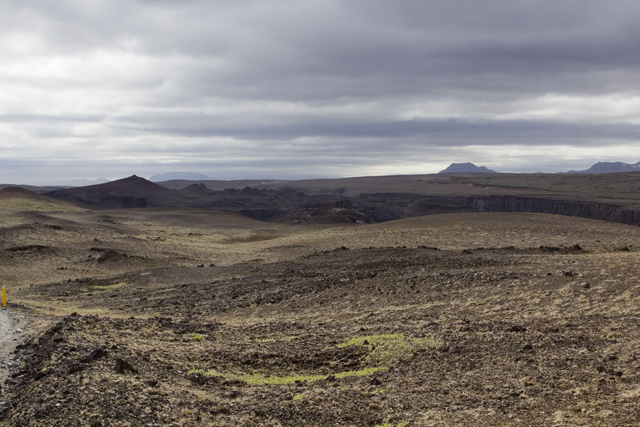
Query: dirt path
11	333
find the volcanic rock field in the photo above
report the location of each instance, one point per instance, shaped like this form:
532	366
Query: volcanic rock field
325	316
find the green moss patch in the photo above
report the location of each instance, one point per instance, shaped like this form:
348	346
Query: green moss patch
391	348
103	288
260	379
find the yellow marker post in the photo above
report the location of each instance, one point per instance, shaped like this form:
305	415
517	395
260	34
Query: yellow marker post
4	297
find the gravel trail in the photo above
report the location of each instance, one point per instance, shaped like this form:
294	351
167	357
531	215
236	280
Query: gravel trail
11	334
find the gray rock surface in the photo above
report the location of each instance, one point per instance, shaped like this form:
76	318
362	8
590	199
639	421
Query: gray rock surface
11	333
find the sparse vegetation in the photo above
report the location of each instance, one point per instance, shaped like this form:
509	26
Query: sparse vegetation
391	348
104	288
272	340
390	332
261	379
36	206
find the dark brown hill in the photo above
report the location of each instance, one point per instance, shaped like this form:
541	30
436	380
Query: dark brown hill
197	189
132	192
136	192
20	193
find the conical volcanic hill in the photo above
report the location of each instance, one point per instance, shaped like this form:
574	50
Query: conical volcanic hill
131	192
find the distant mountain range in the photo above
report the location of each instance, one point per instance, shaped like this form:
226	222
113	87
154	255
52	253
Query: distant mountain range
187	176
610	167
600	167
466	168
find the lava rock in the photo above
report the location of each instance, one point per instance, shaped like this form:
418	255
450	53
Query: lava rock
197	378
40	375
98	353
375	381
123	365
75	369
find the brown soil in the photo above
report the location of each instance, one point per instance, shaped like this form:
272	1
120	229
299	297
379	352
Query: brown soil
466	319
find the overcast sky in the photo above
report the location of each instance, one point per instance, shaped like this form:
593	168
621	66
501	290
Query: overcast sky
303	89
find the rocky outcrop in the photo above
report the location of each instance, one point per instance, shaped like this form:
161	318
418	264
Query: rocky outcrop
387	207
579	208
196	190
341	211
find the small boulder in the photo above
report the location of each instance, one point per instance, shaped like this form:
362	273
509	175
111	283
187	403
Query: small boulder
375	381
39	375
98	353
197	378
75	368
123	365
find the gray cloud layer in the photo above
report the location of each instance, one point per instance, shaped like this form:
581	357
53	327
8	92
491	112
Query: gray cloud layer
314	88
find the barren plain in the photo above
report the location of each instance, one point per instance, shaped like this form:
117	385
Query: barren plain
192	317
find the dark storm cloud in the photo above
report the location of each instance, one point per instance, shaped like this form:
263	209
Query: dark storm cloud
366	83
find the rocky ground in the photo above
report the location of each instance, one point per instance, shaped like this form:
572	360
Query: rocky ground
188	319
12	333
